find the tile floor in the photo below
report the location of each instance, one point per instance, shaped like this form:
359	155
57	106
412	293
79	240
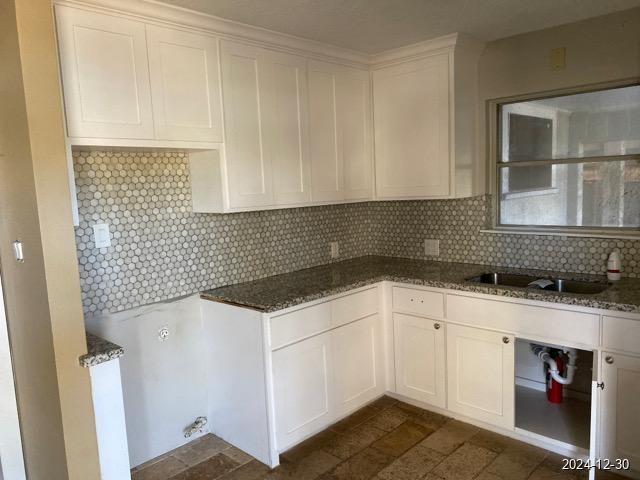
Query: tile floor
386	440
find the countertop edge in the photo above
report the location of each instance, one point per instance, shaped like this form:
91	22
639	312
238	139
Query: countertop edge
99	351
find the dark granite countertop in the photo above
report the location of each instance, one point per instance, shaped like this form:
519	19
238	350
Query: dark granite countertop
99	351
290	289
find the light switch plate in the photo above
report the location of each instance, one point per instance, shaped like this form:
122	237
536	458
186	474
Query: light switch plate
431	247
101	235
558	58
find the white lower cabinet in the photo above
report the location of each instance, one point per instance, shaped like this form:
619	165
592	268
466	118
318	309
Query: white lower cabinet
620	413
302	389
320	379
480	374
357	363
419	345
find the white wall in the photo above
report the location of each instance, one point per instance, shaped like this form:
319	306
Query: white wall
164	383
11	460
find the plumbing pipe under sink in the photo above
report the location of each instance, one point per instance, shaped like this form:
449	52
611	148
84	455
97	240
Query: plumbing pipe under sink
543	354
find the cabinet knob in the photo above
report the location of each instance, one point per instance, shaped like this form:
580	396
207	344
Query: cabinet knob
505	340
436	326
608	359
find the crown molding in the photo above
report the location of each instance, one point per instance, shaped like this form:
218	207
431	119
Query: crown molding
155	12
151	11
427	47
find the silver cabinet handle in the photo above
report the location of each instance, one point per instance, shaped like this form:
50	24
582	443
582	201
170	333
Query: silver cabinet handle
505	340
436	326
608	359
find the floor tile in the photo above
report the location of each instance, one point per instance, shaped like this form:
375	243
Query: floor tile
162	470
424	417
310	445
344	446
253	470
465	463
388	419
413	464
398	441
200	450
354	419
362	466
449	437
491	441
210	469
383	402
237	455
517	461
309	468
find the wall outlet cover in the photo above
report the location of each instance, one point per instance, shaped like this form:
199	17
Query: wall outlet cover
431	247
101	235
335	249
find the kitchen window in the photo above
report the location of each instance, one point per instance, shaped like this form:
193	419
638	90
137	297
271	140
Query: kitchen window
570	162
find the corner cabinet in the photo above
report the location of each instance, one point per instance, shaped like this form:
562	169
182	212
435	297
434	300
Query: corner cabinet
341	143
425	137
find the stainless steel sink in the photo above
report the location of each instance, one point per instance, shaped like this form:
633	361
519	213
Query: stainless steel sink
532	282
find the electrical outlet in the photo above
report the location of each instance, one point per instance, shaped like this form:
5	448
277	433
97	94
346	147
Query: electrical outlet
335	249
431	247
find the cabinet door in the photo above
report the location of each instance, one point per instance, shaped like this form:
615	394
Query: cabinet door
480	374
353	113
326	164
412	123
302	389
358	364
105	75
288	128
185	87
245	76
620	419
420	359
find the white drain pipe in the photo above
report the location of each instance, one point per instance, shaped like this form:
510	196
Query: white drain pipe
543	354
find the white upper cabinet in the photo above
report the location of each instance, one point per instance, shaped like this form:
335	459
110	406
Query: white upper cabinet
105	75
326	164
248	162
185	87
288	128
424	110
412	129
340	132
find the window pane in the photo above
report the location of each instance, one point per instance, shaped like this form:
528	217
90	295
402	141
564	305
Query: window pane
591	124
590	194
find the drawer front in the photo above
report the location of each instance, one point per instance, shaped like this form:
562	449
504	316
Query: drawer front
528	321
621	334
354	307
302	323
420	302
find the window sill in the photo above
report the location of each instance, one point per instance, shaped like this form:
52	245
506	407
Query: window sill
561	233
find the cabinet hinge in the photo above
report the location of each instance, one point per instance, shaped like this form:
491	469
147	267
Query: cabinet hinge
600	385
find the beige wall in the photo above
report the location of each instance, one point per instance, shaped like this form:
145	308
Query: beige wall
42	294
601	49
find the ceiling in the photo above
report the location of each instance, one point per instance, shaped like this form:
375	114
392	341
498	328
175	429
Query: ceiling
372	26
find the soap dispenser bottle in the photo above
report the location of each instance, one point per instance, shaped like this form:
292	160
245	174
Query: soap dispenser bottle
614	266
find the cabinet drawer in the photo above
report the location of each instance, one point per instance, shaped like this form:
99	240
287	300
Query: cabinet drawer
421	302
302	323
621	334
353	307
526	320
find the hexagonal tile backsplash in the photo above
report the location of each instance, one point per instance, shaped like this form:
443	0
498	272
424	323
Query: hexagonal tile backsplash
161	250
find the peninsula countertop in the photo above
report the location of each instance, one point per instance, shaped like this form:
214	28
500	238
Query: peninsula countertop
290	289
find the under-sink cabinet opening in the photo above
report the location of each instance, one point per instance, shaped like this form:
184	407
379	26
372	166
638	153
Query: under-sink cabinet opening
553	392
